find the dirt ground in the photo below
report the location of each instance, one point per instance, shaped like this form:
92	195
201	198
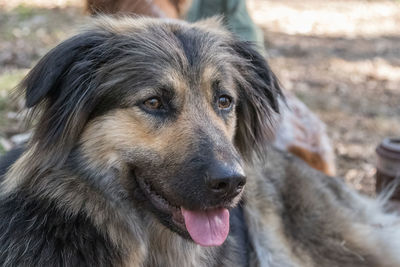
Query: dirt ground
342	58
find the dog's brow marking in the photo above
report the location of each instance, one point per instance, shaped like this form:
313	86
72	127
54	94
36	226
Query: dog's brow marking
176	79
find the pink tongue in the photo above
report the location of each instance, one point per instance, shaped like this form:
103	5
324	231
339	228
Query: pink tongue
207	228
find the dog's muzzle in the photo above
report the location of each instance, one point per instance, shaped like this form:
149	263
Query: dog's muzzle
210	227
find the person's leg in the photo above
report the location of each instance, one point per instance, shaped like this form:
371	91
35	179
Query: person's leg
235	17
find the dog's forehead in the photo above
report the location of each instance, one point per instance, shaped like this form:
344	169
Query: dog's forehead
169	52
172	41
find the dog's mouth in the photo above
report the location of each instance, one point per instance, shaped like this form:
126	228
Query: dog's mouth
208	227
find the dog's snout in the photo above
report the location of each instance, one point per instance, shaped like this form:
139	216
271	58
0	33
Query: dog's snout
225	180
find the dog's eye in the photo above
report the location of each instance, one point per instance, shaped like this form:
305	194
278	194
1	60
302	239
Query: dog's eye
153	103
224	102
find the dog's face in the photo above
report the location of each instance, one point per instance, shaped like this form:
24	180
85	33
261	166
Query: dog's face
173	108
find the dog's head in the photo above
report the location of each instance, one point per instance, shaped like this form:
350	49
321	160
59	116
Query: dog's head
175	109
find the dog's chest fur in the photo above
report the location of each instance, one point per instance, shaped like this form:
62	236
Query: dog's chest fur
166	248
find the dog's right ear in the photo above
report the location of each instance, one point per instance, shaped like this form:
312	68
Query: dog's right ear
259	100
47	76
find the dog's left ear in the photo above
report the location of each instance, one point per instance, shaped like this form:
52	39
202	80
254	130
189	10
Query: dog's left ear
60	91
260	91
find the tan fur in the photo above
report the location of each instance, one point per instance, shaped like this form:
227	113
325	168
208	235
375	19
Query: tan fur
188	253
314	159
17	173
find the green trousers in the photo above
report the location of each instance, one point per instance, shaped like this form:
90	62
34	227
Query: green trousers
235	17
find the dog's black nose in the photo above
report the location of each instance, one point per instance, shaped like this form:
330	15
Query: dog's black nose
224	180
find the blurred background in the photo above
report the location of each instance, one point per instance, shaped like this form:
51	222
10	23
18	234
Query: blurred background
340	57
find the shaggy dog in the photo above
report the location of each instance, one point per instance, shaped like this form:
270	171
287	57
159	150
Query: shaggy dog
149	150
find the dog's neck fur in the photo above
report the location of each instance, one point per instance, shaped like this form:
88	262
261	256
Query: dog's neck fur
188	253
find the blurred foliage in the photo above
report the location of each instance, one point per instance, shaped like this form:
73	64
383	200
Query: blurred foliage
24	11
9	80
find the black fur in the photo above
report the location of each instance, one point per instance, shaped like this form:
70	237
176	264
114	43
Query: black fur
258	96
190	42
55	238
238	229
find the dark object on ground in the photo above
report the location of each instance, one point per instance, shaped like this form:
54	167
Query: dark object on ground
388	166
